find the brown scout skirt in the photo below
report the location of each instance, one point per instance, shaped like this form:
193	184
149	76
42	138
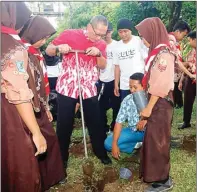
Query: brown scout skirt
155	152
21	170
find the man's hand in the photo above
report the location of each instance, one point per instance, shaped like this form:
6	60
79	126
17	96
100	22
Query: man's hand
50	116
116	91
40	143
193	76
64	48
93	51
141	124
186	64
146	112
115	151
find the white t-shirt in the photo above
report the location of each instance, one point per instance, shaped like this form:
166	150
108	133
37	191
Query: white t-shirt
54	71
131	59
107	74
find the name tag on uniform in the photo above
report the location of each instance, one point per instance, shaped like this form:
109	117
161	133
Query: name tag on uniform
20	66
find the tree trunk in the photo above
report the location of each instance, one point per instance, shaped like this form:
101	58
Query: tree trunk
175	9
70	14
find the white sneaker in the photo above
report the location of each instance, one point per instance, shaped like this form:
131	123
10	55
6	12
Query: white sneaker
138	145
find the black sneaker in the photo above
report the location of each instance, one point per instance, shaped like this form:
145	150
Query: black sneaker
160	187
184	125
106	160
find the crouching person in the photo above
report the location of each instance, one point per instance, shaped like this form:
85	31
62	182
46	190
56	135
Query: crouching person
125	140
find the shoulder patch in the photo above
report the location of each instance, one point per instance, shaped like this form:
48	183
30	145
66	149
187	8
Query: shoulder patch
162	65
20	66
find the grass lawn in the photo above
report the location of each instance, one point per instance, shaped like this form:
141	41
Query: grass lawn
183	164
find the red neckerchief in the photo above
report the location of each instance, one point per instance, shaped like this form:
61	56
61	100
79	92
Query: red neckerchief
46	80
8	30
12	32
32	50
149	62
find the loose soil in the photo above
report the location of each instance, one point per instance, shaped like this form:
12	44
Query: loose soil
77	147
110	174
189	144
88	168
108	179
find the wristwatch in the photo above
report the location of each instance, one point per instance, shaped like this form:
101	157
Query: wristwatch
100	54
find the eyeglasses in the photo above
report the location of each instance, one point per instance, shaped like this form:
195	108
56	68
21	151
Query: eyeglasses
96	34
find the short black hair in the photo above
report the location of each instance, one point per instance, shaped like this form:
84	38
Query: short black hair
192	35
137	76
182	26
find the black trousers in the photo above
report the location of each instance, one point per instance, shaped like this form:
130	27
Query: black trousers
177	94
52	83
65	120
108	100
189	97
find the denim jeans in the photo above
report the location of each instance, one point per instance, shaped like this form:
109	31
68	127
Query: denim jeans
127	140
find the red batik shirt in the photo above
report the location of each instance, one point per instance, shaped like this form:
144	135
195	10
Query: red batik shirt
67	83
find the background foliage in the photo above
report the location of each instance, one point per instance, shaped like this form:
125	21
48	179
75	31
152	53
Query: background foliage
78	14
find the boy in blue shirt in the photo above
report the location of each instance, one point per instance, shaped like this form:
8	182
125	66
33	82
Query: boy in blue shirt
125	139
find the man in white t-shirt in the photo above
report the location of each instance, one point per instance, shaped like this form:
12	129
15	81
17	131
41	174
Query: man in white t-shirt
129	58
53	64
106	80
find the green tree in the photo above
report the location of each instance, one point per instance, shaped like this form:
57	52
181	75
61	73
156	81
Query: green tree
188	13
175	11
136	12
78	14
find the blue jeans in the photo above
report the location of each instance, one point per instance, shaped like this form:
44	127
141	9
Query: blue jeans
127	140
124	93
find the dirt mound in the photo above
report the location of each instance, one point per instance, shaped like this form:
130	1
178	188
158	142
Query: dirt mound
189	144
110	174
96	183
78	149
88	168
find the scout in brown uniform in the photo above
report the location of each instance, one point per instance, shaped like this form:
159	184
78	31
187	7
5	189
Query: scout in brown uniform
159	83
50	163
190	85
180	30
19	129
23	169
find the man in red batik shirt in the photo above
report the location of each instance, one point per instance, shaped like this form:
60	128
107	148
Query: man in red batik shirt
91	41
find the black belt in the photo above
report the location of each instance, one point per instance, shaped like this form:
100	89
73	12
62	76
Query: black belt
169	100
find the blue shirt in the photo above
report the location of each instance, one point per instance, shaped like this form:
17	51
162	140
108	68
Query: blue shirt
128	111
